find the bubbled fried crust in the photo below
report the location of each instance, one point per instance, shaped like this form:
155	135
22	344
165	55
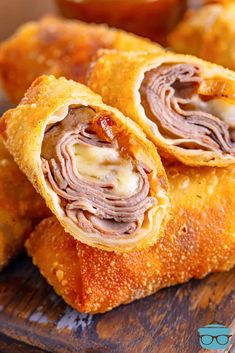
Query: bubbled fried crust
20	208
208	33
58	47
199	239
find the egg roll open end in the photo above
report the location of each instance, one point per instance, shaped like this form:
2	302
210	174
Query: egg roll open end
170	97
186	106
94	167
102	188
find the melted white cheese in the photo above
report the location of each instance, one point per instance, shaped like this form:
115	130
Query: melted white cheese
106	165
222	108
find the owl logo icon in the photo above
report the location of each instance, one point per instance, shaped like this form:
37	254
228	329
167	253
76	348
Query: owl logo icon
214	336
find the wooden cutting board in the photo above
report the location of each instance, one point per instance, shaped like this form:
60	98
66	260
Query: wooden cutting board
165	322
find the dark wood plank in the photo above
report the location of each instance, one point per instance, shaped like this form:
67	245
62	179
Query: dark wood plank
166	322
8	345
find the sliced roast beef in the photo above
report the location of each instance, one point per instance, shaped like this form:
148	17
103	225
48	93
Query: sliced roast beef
93	203
169	97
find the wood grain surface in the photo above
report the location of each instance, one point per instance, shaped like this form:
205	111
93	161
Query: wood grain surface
166	322
9	345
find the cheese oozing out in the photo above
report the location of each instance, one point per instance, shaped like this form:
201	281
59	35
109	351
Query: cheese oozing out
223	108
106	165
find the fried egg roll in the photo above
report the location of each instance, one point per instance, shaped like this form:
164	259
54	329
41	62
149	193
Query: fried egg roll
198	239
209	33
58	47
94	167
186	106
21	208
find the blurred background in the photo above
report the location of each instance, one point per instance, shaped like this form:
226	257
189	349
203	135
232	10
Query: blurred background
150	18
15	12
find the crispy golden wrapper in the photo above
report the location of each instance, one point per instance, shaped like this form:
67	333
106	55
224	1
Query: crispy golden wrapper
58	47
20	208
185	105
199	239
117	144
208	33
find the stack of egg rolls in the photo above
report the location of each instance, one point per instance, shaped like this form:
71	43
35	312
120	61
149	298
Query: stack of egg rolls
208	32
96	271
131	214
